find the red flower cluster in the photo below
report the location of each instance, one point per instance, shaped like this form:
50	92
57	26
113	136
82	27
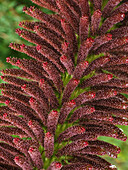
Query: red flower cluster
59	102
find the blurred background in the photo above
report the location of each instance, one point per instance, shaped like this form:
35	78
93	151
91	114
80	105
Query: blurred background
10	16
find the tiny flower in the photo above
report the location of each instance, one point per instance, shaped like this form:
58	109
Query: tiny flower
32	100
7	102
5	115
8	59
38	47
63	58
22	46
45	64
18	62
24	86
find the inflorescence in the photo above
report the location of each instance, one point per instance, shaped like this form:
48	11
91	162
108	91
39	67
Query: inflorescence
70	92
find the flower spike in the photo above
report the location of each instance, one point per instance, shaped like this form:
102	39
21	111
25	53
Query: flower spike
72	90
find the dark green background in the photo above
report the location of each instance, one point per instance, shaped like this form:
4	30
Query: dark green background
10	16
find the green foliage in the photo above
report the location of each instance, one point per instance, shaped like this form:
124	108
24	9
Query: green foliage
10	15
122	160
